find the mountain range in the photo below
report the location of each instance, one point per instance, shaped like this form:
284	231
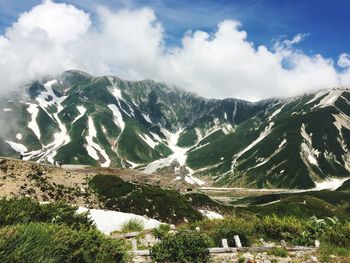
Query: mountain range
77	118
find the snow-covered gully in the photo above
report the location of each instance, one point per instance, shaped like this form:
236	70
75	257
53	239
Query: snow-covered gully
179	155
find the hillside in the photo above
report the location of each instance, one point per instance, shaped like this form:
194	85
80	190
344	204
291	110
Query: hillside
104	121
345	186
121	190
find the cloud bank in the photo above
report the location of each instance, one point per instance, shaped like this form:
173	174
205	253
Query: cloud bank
53	37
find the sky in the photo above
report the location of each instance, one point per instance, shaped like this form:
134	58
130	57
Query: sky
248	49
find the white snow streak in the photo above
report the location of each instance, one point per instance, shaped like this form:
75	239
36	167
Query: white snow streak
33	110
255	142
211	214
20	148
148	140
283	142
331	97
91	147
276	112
179	155
330	184
306	148
118	117
82	111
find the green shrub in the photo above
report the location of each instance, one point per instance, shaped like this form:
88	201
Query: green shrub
24	210
278	228
338	235
42	242
241	259
133	225
161	231
163	204
327	249
182	247
231	226
278	252
316	228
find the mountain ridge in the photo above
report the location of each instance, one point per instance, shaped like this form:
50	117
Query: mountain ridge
153	127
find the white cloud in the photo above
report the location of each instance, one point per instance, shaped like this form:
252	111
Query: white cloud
344	60
54	37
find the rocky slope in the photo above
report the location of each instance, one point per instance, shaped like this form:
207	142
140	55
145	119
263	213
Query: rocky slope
80	119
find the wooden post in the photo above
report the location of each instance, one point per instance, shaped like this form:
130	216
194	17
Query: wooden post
224	243
134	244
237	241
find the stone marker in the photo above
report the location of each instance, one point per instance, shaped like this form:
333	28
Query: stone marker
283	243
317	243
224	243
134	244
237	241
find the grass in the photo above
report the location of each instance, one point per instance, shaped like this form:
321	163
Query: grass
161	231
241	259
54	232
328	249
278	252
38	242
133	225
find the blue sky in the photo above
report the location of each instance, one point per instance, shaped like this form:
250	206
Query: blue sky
292	47
326	22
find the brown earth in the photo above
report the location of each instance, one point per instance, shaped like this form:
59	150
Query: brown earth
47	183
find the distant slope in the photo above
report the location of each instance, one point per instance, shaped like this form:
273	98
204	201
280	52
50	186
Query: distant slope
104	121
345	186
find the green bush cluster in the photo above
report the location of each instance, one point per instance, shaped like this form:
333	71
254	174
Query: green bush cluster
294	230
53	232
162	231
183	246
25	210
43	242
163	204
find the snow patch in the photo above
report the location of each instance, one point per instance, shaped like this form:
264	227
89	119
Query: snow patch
82	111
91	147
283	142
211	214
19	136
33	110
108	221
118	117
307	152
330	98
193	180
255	142
147	118
276	112
148	140
20	148
330	184
179	155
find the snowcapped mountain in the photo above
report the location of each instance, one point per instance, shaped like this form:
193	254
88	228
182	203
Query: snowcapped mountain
80	119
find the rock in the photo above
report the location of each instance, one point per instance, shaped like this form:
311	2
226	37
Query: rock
314	259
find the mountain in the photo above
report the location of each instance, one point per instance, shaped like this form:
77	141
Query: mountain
77	118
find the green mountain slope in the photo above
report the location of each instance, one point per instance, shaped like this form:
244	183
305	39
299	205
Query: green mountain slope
81	119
